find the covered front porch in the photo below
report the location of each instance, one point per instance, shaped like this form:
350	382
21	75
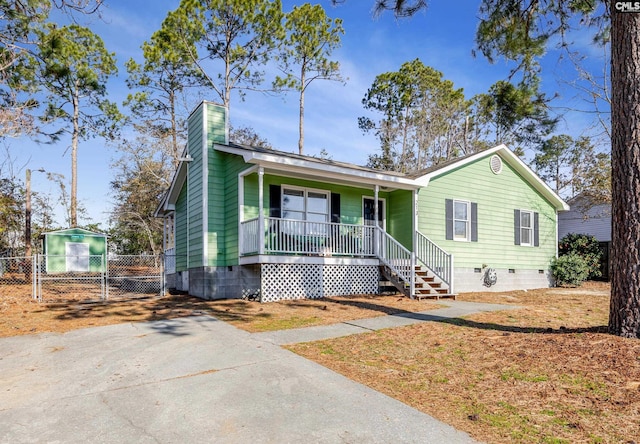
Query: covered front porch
324	232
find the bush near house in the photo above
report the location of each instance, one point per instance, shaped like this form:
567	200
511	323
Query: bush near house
569	270
585	246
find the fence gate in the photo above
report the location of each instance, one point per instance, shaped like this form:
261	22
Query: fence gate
81	277
134	276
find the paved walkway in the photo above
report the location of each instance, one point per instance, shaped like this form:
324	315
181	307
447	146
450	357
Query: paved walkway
197	380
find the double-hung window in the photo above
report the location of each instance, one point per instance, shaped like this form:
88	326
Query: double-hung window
461	220
526	230
306	205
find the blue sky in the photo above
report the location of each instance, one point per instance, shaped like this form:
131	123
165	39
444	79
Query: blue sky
442	37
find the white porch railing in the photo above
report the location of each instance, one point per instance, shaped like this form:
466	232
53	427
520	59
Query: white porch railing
288	236
397	258
435	258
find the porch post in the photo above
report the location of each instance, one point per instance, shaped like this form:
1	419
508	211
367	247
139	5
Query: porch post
240	213
376	246
261	210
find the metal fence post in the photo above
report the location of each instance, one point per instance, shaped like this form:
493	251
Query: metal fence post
105	280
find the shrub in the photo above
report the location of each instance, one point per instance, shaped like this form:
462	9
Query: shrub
569	270
585	246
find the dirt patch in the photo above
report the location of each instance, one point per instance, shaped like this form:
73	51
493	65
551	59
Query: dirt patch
547	372
21	315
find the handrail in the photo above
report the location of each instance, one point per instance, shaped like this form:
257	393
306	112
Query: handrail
398	258
435	258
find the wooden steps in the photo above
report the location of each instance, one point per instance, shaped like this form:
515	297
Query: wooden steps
426	285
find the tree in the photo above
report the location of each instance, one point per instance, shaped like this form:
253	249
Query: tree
311	38
567	163
520	31
75	69
400	8
514	115
159	102
245	135
19	21
624	315
423	118
240	35
143	173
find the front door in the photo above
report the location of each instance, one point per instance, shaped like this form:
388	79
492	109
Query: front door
368	212
369	216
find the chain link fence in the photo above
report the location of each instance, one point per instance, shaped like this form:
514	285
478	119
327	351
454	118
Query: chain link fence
134	276
17	279
49	278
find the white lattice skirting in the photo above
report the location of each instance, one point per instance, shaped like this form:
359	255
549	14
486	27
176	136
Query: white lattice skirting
298	281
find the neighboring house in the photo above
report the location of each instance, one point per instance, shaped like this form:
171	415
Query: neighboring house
243	221
592	219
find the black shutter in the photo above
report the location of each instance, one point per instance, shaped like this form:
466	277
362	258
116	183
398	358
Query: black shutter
274	201
448	204
335	208
536	231
474	222
516	226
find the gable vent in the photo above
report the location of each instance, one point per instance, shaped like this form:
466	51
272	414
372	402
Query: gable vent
496	164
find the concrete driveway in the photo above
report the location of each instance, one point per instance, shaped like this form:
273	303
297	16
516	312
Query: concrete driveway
189	380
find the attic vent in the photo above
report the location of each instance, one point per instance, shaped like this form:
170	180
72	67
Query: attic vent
496	164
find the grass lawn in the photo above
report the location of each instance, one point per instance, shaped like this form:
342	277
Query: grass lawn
544	373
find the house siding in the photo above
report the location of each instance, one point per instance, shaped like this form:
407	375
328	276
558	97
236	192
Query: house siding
181	230
398	203
497	196
195	195
400	217
596	221
223	208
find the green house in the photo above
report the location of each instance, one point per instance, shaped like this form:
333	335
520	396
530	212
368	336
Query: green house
243	221
74	250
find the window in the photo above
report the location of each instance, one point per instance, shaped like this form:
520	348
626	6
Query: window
526	227
526	231
461	220
306	205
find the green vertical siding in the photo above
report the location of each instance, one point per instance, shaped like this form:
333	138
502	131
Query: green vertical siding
194	181
497	197
216	124
181	230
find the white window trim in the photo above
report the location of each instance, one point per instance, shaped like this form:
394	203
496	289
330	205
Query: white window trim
530	228
384	210
468	221
305	192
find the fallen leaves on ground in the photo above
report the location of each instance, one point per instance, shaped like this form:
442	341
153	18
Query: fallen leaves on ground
21	315
547	372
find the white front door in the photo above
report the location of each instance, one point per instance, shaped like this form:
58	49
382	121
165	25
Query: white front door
77	256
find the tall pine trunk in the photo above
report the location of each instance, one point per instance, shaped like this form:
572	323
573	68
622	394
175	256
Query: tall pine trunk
624	315
74	161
